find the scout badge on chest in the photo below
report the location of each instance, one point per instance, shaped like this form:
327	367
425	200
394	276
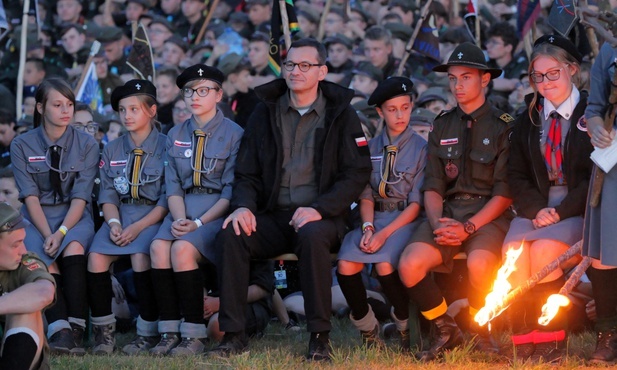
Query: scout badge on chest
121	184
451	170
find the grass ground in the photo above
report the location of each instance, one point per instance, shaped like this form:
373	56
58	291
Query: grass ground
280	349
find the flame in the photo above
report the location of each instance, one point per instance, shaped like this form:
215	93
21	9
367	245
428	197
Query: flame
551	308
494	300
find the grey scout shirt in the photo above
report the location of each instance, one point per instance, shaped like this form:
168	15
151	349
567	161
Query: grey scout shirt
222	144
298	182
116	163
31	161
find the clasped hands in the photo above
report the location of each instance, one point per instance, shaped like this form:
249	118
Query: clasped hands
450	232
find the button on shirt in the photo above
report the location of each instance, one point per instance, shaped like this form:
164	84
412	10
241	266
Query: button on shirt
299	133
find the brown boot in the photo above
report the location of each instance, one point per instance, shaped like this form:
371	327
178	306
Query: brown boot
447	336
606	348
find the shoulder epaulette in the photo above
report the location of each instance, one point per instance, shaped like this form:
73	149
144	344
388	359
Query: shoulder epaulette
506	118
445	111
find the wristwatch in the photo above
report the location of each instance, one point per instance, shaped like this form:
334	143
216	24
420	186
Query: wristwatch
469	227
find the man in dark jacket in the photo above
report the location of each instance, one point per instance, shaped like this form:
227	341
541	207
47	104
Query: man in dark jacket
302	161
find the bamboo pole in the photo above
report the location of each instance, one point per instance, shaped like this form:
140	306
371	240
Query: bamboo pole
322	21
285	22
202	30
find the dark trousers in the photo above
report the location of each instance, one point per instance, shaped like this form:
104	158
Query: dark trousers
312	244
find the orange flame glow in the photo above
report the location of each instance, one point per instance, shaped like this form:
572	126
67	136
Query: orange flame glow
551	308
501	287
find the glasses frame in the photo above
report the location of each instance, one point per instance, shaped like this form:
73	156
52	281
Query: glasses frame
289	65
185	91
533	76
91	128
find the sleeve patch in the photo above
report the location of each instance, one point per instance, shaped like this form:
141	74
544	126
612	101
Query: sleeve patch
31	264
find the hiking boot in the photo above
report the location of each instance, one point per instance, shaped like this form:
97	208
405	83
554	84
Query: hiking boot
140	344
319	348
390	331
482	339
189	347
78	339
62	342
548	352
231	345
371	339
523	351
104	339
167	343
292	325
447	336
606	348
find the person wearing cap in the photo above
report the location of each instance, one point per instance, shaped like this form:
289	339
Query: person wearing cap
112	43
201	155
283	202
76	50
357	24
308	19
55	166
434	99
466	198
421	122
404	9
159	30
549	182
174	51
241	98
390	208
340	65
366	78
133	201
135	9
378	51
190	24
26	290
500	47
598	233
259	46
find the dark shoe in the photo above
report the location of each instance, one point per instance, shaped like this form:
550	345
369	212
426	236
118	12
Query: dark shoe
482	339
371	339
140	344
319	348
78	339
104	339
231	345
606	348
292	325
523	352
167	343
389	331
447	336
62	342
548	352
404	341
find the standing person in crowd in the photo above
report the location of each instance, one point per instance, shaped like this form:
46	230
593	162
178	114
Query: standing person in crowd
549	181
389	208
26	289
55	166
201	156
303	161
466	198
133	200
599	231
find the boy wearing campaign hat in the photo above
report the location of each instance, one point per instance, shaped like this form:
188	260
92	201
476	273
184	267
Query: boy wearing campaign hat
466	197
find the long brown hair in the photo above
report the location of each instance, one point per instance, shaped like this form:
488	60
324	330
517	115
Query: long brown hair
43	91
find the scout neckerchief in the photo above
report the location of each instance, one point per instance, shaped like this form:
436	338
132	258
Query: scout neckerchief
136	172
200	141
553	145
54	174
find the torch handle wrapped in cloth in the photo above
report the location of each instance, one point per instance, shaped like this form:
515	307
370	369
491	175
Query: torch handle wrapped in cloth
490	314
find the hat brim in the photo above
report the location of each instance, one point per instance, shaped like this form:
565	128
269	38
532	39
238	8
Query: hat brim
495	72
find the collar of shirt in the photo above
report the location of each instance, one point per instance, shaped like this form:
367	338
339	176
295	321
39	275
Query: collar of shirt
210	126
319	105
484	108
566	108
399	141
148	145
64	140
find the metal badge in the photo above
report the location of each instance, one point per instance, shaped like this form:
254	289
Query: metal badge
121	184
451	170
188	153
486	141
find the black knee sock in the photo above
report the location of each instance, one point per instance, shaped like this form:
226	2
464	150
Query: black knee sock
475	297
426	294
165	293
394	290
19	351
145	296
541	292
520	314
604	291
100	293
58	310
191	294
74	271
355	293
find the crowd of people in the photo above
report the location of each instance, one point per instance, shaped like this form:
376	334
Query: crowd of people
191	183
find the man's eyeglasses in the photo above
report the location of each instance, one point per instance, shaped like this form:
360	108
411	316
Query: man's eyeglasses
177	110
90	127
552	75
303	66
187	92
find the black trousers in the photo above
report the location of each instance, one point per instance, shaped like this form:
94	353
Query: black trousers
312	244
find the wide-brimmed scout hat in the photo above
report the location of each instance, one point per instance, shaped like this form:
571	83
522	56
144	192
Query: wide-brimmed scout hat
471	56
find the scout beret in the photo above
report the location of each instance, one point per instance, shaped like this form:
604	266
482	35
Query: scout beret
422	117
432	93
390	88
11	219
562	43
369	70
200	72
229	62
338	38
468	55
108	34
130	88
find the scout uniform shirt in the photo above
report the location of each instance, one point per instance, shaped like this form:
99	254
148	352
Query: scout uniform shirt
469	160
30	270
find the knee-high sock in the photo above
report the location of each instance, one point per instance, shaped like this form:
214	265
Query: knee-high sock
191	294
18	352
100	293
394	290
355	293
165	293
604	291
148	309
58	310
541	292
428	297
74	271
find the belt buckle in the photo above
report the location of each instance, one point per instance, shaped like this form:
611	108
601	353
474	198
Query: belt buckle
466	196
390	206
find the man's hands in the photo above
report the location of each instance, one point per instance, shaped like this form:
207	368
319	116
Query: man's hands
450	232
302	216
242	218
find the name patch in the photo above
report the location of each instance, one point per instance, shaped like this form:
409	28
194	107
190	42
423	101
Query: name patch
182	144
37	158
118	163
451	141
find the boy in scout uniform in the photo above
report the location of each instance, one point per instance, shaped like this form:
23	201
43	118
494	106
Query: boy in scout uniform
26	288
466	198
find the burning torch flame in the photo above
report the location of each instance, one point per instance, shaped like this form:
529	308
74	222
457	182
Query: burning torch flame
550	309
501	287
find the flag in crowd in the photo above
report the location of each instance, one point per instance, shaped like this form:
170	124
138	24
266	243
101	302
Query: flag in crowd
470	17
562	16
4	24
427	41
90	91
140	58
278	50
528	12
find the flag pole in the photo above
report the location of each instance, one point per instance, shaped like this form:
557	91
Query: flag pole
285	22
22	57
412	40
322	21
202	31
94	49
478	41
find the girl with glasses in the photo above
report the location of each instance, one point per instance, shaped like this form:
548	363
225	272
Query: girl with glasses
549	172
201	154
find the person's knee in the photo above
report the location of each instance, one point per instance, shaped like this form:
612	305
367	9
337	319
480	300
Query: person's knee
412	268
481	270
160	252
98	262
73	249
349	268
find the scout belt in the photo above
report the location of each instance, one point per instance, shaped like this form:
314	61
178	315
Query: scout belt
142	201
202	190
385	206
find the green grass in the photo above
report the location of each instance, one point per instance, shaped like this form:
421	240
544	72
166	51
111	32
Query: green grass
280	349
